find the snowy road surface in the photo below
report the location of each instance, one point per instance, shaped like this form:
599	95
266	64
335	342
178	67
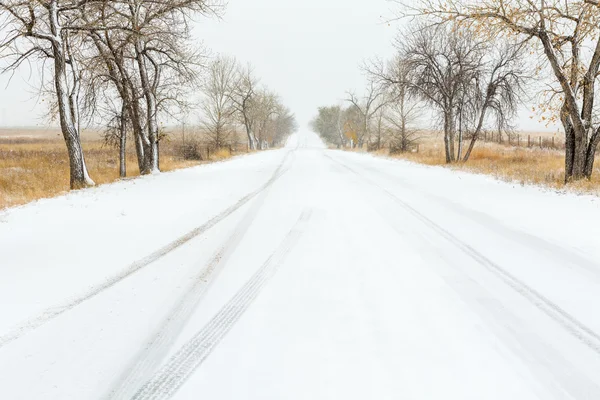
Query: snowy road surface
302	273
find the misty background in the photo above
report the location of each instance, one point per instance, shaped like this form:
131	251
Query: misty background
310	52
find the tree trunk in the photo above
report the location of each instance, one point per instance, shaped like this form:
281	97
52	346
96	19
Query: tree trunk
151	153
477	132
591	154
141	141
460	135
79	177
579	157
579	154
123	157
471	146
589	162
569	148
251	143
449	147
123	82
576	150
451	135
576	128
123	144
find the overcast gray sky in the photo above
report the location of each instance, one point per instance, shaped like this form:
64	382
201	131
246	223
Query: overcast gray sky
308	51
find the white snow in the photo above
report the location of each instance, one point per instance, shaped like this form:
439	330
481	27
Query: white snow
345	276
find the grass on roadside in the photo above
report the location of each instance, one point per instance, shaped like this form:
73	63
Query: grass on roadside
36	168
536	166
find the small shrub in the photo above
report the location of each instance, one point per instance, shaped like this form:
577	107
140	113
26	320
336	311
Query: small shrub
191	150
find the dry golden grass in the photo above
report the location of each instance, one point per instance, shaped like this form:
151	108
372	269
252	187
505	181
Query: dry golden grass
35	168
221	154
524	165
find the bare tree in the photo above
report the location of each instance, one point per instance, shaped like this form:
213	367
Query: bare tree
141	48
470	82
567	34
496	94
115	135
146	57
115	60
218	115
265	107
45	31
379	129
404	110
158	47
367	107
234	98
242	93
402	132
441	64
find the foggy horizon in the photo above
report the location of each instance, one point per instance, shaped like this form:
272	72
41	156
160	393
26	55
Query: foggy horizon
309	53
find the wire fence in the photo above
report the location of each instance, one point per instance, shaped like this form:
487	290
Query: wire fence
527	141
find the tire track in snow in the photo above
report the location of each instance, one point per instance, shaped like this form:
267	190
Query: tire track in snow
165	383
53	312
587	266
575	327
550	366
159	344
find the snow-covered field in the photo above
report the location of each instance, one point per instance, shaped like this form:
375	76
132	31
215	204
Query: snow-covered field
302	273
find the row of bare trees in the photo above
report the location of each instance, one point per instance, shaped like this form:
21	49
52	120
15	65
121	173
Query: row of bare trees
562	37
234	98
121	60
469	84
128	64
470	61
377	120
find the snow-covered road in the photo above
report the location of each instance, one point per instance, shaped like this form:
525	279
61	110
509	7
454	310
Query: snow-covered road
302	273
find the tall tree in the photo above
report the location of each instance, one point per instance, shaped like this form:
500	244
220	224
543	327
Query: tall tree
242	93
497	93
266	106
567	35
46	31
218	114
367	107
404	110
441	63
157	37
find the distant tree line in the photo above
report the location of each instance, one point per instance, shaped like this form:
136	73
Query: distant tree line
467	61
470	85
127	64
233	98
